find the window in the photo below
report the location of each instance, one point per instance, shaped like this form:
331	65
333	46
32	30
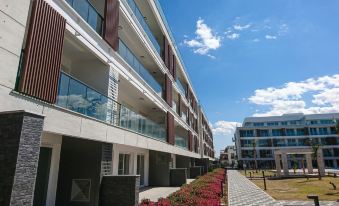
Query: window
265	153
272	123
264	143
258	124
290	132
262	133
291	142
247	143
323	131
283	123
314	122
279	143
124	160
300	132
293	122
247	153
326	121
276	132
246	133
313	131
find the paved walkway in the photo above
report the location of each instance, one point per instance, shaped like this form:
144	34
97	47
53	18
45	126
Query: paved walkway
154	193
243	192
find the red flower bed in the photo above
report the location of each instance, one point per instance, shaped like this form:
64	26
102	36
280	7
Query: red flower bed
205	191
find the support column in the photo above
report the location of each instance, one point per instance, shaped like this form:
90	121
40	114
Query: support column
20	136
284	163
277	164
320	161
309	163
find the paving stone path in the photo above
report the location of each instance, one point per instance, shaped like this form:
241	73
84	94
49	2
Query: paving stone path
243	192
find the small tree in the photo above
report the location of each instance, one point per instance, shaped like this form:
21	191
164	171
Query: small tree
315	147
295	163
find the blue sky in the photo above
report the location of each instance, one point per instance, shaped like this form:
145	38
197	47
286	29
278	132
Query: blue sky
258	57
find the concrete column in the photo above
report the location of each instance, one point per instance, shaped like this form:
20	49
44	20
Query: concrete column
20	137
309	163
284	163
277	164
320	161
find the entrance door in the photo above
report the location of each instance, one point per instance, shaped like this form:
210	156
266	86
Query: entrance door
141	168
41	184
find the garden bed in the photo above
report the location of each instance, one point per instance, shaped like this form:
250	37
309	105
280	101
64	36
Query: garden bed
204	191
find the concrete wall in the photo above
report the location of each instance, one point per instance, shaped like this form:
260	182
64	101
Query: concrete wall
183	162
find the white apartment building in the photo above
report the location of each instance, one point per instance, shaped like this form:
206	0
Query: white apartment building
93	89
228	156
260	136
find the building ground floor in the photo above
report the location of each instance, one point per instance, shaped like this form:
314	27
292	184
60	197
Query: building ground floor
45	168
329	162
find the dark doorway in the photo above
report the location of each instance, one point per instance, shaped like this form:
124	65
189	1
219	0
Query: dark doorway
41	184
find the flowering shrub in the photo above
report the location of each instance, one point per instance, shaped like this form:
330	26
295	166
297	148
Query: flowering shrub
204	191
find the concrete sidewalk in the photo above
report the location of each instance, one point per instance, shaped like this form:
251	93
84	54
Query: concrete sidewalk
154	193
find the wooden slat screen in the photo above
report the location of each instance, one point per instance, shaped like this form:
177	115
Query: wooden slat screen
42	57
111	24
168	90
190	141
170	128
165	52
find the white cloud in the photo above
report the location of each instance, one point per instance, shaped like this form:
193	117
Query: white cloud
205	39
240	28
233	36
283	29
271	37
290	98
256	40
224	127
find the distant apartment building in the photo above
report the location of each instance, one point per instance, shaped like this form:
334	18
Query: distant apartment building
228	156
260	136
91	89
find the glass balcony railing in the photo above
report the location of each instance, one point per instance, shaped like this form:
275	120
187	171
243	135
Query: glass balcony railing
78	97
141	19
181	87
138	123
88	12
181	141
131	59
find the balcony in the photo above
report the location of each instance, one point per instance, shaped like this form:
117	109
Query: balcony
181	141
137	13
89	13
78	97
181	87
132	60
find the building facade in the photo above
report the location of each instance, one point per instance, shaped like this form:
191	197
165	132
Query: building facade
260	136
92	88
228	156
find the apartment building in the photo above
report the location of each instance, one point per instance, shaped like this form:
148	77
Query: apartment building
228	156
259	137
92	90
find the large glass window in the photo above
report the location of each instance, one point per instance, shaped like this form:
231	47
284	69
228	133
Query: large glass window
265	153
262	133
247	153
247	142
323	131
279	143
124	161
246	133
258	124
301	132
272	123
313	131
277	132
290	132
291	142
264	143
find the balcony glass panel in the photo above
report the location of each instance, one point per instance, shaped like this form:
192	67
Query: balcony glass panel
143	23
76	96
129	57
181	141
181	87
88	13
138	123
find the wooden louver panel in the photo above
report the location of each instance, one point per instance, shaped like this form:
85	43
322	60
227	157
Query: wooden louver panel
165	52
112	23
42	58
190	141
170	128
168	89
